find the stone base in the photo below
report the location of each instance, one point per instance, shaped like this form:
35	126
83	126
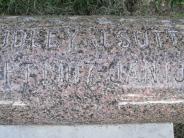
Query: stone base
89	131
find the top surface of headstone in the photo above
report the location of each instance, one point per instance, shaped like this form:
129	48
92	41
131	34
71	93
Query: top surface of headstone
71	70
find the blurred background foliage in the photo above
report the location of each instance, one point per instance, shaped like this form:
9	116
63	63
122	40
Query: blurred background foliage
179	130
91	7
44	7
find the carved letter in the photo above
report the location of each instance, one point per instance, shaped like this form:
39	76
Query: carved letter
52	40
173	37
158	39
124	40
19	38
5	38
72	36
144	42
180	74
7	72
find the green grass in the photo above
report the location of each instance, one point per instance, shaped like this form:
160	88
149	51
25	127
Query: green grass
48	7
81	7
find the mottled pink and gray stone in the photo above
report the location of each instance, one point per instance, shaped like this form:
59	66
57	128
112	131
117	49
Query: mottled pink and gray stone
80	70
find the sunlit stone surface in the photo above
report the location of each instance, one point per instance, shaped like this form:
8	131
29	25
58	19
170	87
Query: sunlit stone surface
158	130
80	70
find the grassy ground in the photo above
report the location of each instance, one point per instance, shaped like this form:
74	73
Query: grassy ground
179	130
64	7
90	7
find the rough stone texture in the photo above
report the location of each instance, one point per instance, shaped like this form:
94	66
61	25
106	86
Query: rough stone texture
80	70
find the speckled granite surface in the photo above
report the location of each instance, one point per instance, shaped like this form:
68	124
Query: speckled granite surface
80	70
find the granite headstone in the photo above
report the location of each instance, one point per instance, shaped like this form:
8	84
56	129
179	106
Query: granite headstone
80	70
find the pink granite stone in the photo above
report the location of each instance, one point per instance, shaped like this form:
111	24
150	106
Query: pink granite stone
81	70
